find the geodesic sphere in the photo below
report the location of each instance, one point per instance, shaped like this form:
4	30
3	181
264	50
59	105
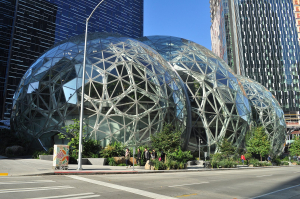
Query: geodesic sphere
268	112
219	104
130	91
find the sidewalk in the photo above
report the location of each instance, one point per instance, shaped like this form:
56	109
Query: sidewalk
25	167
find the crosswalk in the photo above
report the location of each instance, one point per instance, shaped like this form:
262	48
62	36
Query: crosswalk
50	190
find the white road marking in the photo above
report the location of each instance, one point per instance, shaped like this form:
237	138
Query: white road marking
123	188
188	184
276	191
26	182
14	177
78	196
34	189
263	176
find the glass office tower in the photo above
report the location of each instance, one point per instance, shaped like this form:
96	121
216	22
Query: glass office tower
264	40
30	27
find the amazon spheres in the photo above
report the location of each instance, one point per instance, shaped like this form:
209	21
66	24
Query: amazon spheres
134	86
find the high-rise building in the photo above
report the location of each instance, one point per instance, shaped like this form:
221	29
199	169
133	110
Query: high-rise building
297	16
263	39
29	27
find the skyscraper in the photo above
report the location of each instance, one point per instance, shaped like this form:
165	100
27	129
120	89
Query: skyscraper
263	39
297	16
32	26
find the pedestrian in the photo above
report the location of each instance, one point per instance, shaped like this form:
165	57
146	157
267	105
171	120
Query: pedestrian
146	155
127	157
154	153
243	158
138	157
162	156
269	158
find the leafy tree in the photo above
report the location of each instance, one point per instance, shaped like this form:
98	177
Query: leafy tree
257	142
168	140
295	147
90	148
226	147
73	135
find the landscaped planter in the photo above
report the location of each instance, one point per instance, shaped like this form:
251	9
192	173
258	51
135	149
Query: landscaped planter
119	160
46	157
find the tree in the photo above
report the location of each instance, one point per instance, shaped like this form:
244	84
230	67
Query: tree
295	147
73	135
257	142
226	147
168	140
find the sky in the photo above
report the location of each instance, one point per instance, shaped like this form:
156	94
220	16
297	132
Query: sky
188	19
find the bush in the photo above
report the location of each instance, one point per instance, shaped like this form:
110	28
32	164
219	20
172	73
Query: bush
158	165
284	163
115	149
254	162
111	161
181	156
91	149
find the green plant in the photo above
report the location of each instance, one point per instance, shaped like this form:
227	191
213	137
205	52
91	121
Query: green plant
258	142
168	140
111	161
181	156
115	149
226	147
284	163
295	147
158	165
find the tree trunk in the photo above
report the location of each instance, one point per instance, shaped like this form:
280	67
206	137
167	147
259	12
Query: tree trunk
260	158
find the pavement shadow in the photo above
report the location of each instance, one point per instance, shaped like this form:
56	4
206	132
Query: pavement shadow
280	189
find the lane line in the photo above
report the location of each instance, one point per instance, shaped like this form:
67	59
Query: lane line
3	174
69	195
188	184
34	189
263	176
26	182
123	188
276	191
14	177
80	197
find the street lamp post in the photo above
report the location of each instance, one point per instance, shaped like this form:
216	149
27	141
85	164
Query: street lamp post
200	141
82	89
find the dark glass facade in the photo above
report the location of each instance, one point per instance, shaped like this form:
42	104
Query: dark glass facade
33	26
265	46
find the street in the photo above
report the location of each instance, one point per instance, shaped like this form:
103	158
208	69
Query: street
272	183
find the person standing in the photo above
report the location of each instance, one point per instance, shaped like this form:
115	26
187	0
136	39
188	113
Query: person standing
243	158
162	156
154	154
146	155
127	157
269	158
138	157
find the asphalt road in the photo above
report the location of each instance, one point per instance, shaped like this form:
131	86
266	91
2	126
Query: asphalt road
271	183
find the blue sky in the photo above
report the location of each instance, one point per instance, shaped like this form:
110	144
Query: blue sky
189	19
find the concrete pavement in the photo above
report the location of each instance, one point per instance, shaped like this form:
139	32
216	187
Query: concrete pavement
23	167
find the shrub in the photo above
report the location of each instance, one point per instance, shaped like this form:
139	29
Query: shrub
115	149
181	156
111	161
158	165
284	163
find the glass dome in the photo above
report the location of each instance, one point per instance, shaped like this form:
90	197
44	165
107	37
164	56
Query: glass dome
220	107
130	91
267	113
